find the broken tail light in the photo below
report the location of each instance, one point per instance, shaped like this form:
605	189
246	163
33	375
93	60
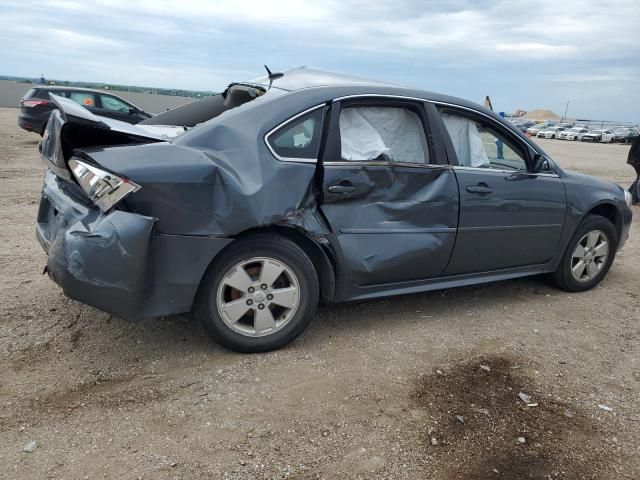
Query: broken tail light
105	189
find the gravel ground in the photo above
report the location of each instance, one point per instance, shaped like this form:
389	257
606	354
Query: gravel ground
422	386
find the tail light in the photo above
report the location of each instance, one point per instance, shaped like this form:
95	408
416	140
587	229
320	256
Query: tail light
103	188
34	103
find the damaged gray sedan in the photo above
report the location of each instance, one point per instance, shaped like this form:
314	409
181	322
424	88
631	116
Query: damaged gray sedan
303	187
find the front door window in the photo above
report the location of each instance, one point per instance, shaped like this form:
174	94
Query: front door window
480	145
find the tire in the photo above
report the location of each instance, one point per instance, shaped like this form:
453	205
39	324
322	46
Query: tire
255	255
564	278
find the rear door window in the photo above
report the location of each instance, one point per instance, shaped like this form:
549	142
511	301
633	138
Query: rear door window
86	99
394	134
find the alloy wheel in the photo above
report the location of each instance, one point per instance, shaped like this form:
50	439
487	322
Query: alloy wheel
590	256
258	296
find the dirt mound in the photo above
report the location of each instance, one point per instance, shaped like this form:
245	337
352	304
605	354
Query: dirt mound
542	115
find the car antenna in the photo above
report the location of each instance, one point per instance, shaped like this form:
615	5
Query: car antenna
272	76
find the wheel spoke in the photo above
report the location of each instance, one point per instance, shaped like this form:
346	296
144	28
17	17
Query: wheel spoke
263	320
285	297
592	239
578	269
579	252
234	310
592	269
238	279
602	249
270	272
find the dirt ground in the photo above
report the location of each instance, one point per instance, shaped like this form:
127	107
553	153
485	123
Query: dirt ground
423	386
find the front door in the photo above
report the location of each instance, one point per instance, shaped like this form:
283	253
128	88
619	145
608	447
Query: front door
391	204
112	107
509	216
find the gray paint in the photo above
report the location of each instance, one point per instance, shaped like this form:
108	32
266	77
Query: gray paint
402	229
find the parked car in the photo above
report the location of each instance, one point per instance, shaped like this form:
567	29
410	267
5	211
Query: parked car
36	106
573	134
524	126
550	132
320	188
566	125
604	136
623	135
535	129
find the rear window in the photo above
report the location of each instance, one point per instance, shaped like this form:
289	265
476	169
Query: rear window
86	99
30	93
299	138
36	93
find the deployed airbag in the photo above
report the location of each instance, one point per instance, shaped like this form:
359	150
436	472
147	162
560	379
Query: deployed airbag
367	133
466	141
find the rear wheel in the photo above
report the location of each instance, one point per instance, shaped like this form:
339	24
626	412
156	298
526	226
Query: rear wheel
589	255
259	295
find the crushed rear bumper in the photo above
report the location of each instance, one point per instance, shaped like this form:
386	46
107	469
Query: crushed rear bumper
117	262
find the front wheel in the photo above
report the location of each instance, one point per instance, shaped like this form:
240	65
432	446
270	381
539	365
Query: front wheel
259	295
589	255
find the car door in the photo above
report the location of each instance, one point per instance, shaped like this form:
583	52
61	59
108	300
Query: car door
509	216
391	203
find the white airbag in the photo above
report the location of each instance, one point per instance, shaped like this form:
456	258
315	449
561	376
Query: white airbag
368	132
466	141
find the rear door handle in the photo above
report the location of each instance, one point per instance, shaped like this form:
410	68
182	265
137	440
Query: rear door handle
480	188
342	188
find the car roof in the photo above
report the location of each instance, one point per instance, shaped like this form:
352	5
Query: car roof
307	78
74	89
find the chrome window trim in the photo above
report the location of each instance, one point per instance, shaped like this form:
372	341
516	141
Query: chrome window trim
378	163
500	171
379	95
346	163
282	124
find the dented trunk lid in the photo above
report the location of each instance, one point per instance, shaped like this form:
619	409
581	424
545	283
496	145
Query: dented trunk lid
72	127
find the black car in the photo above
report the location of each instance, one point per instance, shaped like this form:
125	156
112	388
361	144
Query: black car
304	187
36	106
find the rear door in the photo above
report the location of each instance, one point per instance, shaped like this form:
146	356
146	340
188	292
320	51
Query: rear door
390	200
509	216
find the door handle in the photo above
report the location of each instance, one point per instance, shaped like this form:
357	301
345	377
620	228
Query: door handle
481	188
342	188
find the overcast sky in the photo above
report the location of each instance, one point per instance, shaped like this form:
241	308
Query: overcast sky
524	54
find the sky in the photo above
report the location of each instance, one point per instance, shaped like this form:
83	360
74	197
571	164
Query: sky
524	54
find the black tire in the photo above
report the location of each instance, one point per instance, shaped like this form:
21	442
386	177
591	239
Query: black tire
563	278
258	245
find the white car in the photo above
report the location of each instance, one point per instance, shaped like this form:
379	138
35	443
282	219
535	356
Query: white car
573	134
551	132
533	130
602	136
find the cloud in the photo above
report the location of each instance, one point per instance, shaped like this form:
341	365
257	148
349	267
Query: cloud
549	50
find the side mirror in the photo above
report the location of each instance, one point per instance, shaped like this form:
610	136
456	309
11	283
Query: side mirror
541	164
133	111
